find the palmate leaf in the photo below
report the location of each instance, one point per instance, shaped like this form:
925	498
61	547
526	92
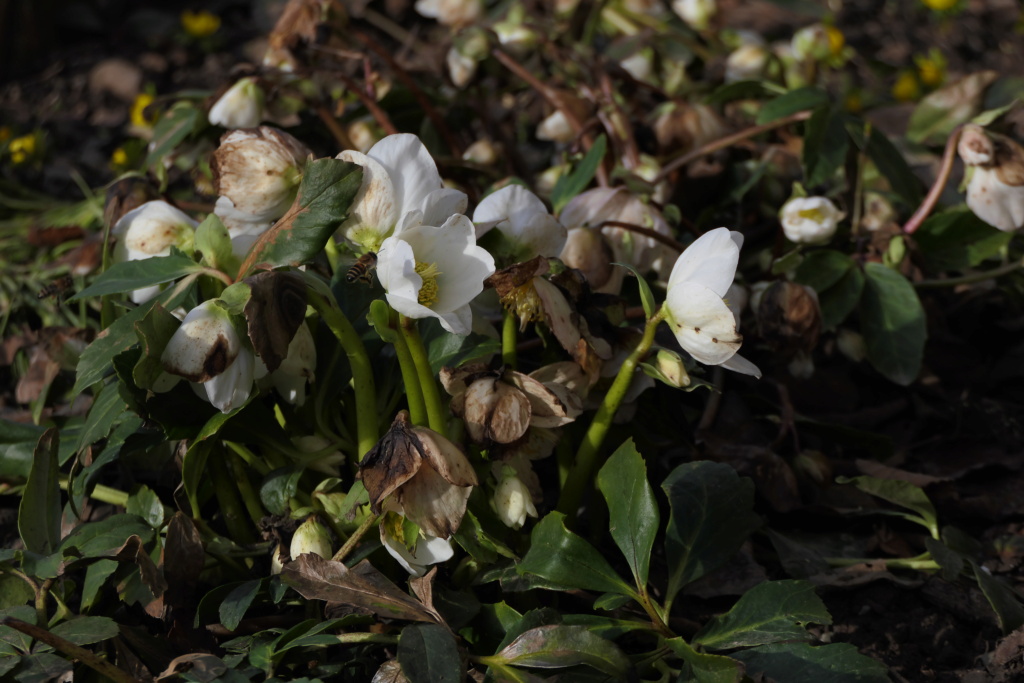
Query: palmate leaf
325	194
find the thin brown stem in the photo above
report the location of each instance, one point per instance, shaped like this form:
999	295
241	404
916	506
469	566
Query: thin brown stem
428	108
337	132
371	105
649	232
729	141
549	94
923	211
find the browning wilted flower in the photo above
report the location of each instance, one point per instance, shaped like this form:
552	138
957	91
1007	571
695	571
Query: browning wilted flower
995	192
420	474
500	405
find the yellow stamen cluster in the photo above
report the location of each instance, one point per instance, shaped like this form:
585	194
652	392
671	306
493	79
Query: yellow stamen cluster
22	149
816	215
428	292
526	304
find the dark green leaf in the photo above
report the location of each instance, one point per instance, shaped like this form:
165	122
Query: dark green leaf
325	194
131	275
570	185
823	268
712	514
103	538
146	504
952	562
42	668
451	349
39	511
558	646
193	472
838	301
475	540
106	408
825	145
889	162
632	509
900	493
893	324
957	239
560	556
769	612
740	90
97	359
96	575
153	332
801	663
86	630
800	560
800	99
427	654
237	602
14	591
173	127
1004	600
704	668
278	488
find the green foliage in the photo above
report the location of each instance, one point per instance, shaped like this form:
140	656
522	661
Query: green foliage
569	185
893	324
632	509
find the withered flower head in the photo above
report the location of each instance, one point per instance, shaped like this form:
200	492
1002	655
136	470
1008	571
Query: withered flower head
996	188
500	405
427	477
790	317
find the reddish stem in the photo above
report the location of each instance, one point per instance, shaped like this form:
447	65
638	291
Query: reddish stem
923	211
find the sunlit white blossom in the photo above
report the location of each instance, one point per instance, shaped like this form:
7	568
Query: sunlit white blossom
523	220
151	230
429	550
810	220
240	107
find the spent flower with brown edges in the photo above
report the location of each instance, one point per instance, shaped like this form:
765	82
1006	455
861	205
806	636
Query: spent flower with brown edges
419	473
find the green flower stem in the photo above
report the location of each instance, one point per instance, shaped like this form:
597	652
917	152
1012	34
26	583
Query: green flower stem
654	612
104	494
971	278
509	337
410	376
428	383
362	372
353	540
587	461
227	498
920	563
248	457
250	498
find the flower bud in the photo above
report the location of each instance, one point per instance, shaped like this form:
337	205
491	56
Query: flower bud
461	68
151	230
278	558
481	152
696	13
512	500
515	36
240	107
789	317
851	344
878	212
208	351
746	63
815	467
672	368
363	135
812	43
810	220
256	173
556	128
588	251
311	537
639	65
451	12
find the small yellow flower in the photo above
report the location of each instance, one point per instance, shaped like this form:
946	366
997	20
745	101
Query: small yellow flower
139	117
931	68
119	158
200	24
906	87
940	5
22	149
836	40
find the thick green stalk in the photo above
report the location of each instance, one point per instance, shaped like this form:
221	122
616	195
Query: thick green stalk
250	498
428	383
582	473
410	377
362	372
354	539
509	337
227	498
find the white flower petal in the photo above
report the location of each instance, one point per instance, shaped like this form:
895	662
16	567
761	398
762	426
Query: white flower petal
231	388
412	170
702	323
741	365
440	205
710	261
429	550
375	209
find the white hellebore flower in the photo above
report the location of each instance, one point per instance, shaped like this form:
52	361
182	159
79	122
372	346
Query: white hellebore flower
699	317
810	220
151	230
401	189
696	13
429	550
435	272
311	537
207	350
995	192
521	217
512	500
240	107
451	12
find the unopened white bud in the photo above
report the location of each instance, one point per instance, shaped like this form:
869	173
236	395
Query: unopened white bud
311	537
512	501
461	68
696	13
746	63
278	558
515	37
240	107
556	128
481	152
810	220
672	368
451	12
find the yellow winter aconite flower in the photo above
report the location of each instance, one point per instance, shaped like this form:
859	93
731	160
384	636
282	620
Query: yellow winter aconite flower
931	68
836	40
119	157
22	149
940	5
906	88
138	114
200	24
